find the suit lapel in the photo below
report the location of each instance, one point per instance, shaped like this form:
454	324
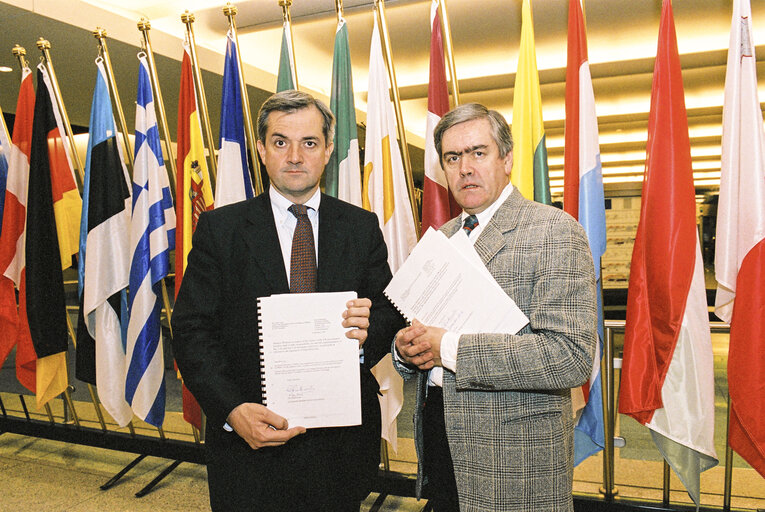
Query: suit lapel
260	236
492	240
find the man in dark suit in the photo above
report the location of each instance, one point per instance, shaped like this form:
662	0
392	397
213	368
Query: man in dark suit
496	430
242	252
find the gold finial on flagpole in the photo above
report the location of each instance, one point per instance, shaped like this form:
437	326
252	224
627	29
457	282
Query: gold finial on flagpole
230	11
20	53
339	9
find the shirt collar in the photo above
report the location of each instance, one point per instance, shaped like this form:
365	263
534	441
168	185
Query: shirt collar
281	203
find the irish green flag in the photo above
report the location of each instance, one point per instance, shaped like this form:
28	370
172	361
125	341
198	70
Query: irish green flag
286	78
529	172
343	173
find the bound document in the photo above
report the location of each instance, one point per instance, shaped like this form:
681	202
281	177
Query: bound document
310	369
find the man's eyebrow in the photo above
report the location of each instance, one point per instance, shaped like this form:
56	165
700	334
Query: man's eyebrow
278	135
467	150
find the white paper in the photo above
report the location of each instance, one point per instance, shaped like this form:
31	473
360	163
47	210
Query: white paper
440	284
310	368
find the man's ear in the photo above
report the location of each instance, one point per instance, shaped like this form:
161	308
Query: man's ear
508	163
261	150
328	152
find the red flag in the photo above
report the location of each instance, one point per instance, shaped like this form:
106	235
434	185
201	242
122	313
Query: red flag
193	195
14	328
438	205
740	242
667	379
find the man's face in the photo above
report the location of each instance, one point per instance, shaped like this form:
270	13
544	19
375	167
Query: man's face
295	152
474	170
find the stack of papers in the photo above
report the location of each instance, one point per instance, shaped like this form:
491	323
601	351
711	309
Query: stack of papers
444	283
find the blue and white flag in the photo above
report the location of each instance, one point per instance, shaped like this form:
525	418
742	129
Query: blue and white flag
233	183
104	260
152	237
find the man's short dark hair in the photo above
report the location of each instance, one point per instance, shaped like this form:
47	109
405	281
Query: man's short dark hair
291	101
500	130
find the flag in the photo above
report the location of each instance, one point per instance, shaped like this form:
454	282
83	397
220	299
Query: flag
438	204
667	381
193	194
342	177
286	78
104	262
740	245
583	199
152	237
385	194
14	327
529	172
53	215
234	183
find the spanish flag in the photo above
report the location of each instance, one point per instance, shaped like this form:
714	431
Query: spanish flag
193	193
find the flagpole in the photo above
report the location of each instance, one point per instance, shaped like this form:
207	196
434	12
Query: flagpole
447	34
728	461
388	57
100	35
188	19
44	46
230	11
287	18
339	9
609	406
144	26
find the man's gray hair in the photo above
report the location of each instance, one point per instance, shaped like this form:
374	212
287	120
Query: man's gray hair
500	131
292	101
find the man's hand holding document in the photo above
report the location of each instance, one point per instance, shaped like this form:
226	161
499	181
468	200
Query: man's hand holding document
445	284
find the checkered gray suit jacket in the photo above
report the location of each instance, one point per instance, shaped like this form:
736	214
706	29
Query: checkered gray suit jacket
508	405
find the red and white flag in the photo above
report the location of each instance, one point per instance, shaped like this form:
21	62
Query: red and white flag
667	379
740	245
438	205
14	328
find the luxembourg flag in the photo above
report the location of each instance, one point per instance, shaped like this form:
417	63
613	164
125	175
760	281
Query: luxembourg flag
234	183
152	237
583	199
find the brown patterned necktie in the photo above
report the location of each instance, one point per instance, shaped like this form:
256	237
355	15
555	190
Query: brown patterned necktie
471	222
303	259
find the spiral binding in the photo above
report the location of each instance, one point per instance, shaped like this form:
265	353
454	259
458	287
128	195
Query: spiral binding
408	318
264	393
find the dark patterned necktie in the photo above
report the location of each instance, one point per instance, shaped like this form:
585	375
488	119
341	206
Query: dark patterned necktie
303	259
470	223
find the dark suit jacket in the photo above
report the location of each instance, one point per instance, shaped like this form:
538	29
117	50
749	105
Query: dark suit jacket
235	259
